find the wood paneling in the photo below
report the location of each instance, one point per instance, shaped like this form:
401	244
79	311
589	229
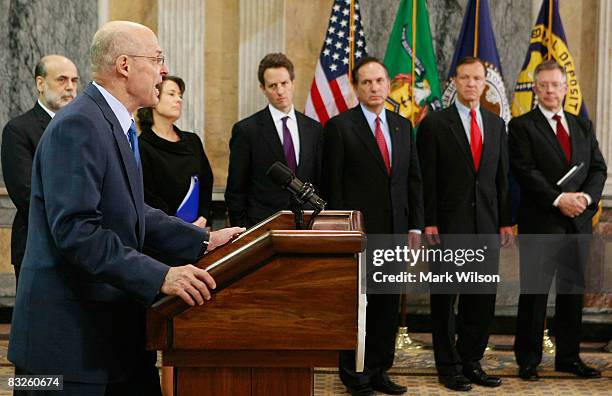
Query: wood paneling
303	302
212	381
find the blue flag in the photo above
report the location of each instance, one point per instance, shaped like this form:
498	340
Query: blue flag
188	209
481	44
540	48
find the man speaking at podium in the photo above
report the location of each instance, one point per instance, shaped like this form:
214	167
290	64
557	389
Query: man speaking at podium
370	164
84	284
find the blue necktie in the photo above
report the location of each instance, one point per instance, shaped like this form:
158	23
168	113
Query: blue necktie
288	148
132	137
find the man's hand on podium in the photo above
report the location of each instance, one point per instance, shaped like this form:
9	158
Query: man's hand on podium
190	283
223	236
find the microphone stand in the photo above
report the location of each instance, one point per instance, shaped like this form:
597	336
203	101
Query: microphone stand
298	212
297	204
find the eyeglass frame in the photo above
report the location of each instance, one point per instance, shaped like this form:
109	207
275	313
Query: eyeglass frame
544	85
158	59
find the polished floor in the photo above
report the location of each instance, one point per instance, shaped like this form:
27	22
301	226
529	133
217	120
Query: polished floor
415	369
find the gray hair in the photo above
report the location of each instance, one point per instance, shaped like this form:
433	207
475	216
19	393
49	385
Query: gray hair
108	44
549	64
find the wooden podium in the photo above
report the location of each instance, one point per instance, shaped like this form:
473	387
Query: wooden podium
286	301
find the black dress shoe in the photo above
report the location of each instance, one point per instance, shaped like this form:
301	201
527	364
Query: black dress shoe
456	382
385	385
579	368
365	390
479	377
528	373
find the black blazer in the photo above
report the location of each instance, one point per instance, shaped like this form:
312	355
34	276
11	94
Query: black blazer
459	200
355	177
20	138
167	168
250	195
538	162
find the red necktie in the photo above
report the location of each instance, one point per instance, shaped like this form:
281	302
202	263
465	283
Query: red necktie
563	138
475	139
382	145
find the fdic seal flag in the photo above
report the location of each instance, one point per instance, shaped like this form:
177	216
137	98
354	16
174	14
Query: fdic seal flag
548	41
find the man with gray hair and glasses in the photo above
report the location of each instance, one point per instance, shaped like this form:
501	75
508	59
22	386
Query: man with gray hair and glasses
85	284
545	144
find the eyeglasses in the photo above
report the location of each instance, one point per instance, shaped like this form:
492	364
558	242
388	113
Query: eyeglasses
158	59
553	85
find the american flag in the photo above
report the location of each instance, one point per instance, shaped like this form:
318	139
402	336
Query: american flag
331	92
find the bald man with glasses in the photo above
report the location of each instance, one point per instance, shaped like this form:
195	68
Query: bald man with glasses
85	283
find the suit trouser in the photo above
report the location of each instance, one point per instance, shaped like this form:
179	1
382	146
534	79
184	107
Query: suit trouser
530	328
542	259
471	326
381	327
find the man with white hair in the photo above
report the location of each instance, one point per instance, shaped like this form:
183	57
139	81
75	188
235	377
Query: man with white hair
56	80
85	285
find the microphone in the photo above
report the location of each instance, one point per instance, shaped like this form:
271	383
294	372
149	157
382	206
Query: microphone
303	192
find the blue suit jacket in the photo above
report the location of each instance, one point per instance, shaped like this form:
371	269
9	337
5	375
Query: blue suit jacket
84	285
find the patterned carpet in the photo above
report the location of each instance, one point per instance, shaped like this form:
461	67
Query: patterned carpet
415	369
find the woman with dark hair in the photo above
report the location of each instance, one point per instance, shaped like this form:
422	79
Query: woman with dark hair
173	160
170	160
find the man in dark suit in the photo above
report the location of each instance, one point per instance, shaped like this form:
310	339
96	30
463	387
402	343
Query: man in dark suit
544	144
84	284
56	81
276	133
370	164
464	160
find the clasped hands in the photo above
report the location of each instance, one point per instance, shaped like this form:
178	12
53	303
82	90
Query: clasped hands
572	204
506	235
193	284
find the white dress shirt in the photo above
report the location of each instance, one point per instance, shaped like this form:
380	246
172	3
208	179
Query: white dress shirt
466	120
371	118
121	112
51	114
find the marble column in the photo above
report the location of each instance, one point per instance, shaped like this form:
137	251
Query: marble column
102	12
604	91
180	29
262	30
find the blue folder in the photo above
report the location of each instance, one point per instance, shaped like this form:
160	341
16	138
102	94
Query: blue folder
188	209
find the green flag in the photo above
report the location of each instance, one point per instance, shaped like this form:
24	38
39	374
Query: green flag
398	60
